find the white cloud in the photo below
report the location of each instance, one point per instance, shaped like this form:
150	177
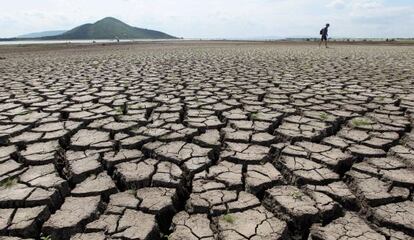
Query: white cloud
337	4
373	18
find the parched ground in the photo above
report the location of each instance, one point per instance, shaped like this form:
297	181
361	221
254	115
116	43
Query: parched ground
207	140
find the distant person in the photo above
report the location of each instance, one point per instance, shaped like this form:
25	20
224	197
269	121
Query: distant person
324	35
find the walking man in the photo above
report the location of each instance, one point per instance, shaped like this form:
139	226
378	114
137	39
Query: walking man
324	35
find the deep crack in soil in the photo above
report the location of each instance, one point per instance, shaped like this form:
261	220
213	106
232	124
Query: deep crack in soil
207	140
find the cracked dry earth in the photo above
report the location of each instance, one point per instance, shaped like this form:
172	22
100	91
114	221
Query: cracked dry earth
203	141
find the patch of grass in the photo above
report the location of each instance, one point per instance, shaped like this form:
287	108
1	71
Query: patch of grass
381	98
254	116
8	183
360	122
119	110
323	116
133	191
297	195
229	218
46	237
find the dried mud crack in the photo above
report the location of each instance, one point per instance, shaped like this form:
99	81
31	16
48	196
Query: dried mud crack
207	140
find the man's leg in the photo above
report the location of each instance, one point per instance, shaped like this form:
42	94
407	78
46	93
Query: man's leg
321	41
325	38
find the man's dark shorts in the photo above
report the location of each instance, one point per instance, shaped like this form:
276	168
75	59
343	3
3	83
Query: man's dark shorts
324	38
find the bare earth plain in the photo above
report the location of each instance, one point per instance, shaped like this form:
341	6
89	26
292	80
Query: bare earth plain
207	140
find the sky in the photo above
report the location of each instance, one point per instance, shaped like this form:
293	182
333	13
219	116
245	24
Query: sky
218	18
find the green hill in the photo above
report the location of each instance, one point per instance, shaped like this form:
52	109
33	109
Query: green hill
109	28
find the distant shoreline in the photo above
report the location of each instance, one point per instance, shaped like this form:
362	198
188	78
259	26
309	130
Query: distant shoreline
75	41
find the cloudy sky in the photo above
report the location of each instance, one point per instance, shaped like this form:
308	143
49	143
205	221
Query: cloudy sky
218	18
